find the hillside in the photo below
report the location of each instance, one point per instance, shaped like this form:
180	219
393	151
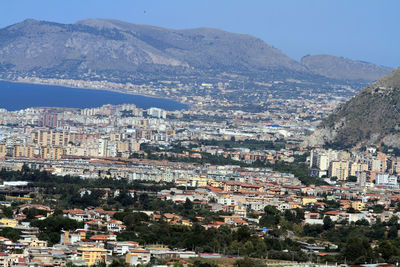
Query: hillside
343	68
371	117
115	48
103	49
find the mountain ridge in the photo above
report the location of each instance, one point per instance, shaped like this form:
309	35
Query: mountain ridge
112	48
344	68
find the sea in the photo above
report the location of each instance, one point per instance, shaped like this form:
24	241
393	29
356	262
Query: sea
17	96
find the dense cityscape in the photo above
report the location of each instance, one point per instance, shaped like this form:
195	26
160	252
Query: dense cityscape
229	173
199	133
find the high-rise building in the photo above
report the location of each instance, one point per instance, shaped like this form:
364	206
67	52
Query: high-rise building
3	150
339	169
157	112
48	120
356	168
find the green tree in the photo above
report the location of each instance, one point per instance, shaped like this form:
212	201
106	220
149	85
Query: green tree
393	232
386	250
8	212
11	233
352	179
118	263
271	216
328	223
188	204
363	222
358	250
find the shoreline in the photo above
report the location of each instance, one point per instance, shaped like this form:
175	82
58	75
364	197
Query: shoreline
104	89
146	98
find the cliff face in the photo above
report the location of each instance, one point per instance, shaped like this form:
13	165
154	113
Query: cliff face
372	116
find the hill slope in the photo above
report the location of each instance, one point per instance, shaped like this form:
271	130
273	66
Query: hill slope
113	47
344	68
121	51
372	116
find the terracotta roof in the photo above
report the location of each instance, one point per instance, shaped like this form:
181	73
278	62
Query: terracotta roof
169	215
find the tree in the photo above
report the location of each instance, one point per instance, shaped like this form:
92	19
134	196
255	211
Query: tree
289	216
25	168
31	213
394	259
50	228
8	212
125	199
328	223
243	233
313	229
378	208
118	263
363	222
392	221
271	216
352	179
11	233
144	201
188	204
299	215
386	250
392	233
358	250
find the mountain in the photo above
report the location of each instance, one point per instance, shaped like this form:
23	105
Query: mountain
371	117
116	48
121	51
343	68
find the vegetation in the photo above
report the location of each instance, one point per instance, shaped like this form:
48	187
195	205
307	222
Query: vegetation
298	169
65	191
11	233
354	240
50	228
250	144
361	122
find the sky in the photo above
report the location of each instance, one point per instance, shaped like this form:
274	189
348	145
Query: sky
358	29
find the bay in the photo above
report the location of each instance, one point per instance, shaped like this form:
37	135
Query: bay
16	96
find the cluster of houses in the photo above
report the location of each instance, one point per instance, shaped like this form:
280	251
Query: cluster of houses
97	240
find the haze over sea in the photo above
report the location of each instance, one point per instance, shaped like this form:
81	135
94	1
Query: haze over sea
16	96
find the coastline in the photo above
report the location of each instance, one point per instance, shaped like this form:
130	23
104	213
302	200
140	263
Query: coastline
110	88
94	96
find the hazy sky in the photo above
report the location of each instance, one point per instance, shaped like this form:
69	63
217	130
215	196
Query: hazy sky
358	29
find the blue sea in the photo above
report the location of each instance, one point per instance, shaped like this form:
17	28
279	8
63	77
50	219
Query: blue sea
16	96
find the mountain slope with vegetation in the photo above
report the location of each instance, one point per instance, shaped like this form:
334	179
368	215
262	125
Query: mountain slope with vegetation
371	117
